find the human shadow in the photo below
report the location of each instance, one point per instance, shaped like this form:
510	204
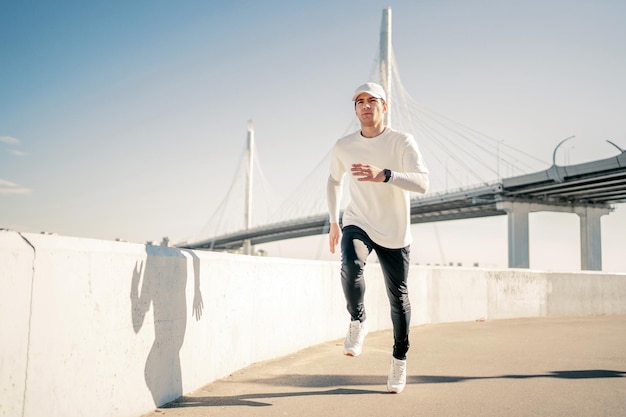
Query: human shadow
198	303
163	280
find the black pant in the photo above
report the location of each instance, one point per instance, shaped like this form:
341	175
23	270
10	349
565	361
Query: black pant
356	246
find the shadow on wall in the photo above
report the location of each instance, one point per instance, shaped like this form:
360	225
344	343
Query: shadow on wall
163	280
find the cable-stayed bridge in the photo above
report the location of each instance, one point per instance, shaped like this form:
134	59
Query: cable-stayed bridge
472	175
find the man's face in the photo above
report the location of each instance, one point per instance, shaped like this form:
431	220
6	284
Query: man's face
370	110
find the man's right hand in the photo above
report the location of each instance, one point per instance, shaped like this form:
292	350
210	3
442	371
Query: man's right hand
333	236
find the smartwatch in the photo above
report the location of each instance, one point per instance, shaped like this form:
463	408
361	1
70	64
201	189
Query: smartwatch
387	174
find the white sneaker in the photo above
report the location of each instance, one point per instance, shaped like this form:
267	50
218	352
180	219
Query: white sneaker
353	345
397	376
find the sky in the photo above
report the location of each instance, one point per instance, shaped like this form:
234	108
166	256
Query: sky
127	120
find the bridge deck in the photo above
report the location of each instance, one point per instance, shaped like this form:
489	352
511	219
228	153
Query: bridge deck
597	183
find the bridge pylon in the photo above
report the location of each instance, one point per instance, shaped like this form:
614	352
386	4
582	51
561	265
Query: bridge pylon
247	246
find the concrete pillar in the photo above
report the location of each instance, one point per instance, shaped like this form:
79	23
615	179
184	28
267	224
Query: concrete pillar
517	214
591	237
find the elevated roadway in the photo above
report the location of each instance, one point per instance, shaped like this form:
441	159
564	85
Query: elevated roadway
588	189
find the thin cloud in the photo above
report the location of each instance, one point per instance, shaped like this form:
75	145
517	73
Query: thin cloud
9	140
11	188
12	142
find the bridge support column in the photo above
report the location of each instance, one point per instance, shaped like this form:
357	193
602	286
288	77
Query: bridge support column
247	247
591	237
518	234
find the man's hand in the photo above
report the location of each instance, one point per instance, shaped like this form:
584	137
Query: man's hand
365	172
333	236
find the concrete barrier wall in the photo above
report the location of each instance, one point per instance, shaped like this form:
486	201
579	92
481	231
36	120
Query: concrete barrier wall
16	278
102	328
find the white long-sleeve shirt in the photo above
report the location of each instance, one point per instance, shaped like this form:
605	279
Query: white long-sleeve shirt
381	209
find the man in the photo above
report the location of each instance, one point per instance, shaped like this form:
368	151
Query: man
384	165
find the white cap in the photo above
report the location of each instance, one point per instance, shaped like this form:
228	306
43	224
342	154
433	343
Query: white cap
373	89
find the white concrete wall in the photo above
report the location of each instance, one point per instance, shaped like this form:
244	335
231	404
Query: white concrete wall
103	328
16	277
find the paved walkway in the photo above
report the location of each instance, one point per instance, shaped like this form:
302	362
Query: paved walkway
521	367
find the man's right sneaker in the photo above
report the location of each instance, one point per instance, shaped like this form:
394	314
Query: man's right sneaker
353	345
397	376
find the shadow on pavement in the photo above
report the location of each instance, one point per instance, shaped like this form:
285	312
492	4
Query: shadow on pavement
249	399
582	374
322	381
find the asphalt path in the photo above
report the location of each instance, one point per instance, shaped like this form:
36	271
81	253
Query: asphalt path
552	367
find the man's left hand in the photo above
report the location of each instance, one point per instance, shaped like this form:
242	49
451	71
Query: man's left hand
365	172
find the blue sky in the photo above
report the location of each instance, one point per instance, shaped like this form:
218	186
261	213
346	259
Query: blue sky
128	119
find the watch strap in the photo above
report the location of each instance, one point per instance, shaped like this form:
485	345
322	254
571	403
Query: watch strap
387	174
